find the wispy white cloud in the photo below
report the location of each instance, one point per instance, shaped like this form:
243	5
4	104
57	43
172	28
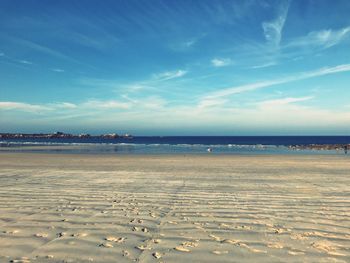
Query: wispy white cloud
10	105
106	104
98	82
189	43
323	38
65	105
150	103
211	102
169	75
88	106
15	60
241	89
58	70
155	84
283	101
273	29
25	62
297	58
269	83
99	40
31	45
186	44
284	115
221	62
265	65
40	48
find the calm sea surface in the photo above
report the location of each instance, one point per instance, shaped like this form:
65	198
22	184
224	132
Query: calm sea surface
179	145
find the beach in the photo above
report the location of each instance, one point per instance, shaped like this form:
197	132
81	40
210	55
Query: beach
174	208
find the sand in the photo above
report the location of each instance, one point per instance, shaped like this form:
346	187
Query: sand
174	208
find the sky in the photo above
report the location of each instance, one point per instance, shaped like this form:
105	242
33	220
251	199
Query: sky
239	67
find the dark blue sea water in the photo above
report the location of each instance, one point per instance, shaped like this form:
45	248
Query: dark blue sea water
179	144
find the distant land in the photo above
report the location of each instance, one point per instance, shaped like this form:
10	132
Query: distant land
61	135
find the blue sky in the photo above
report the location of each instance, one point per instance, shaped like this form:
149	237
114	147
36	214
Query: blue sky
175	67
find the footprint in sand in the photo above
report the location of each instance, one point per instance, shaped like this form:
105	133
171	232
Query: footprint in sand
135	228
254	250
21	260
189	244
243	245
182	249
278	230
79	235
152	215
106	245
216	238
140	221
143	247
157	255
275	245
126	253
115	239
156	241
223	225
217	252
41	235
297	236
62	234
230	241
295	253
327	247
15	231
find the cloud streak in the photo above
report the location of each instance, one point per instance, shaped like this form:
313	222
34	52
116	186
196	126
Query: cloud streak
109	104
43	49
25	62
36	108
273	29
169	75
9	105
221	62
91	105
323	38
269	83
58	70
265	65
283	101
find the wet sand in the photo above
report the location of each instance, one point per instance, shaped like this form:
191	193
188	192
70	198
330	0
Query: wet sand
174	208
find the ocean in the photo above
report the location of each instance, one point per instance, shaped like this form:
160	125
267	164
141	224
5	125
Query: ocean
177	144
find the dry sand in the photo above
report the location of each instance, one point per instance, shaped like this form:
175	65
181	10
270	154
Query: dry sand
89	208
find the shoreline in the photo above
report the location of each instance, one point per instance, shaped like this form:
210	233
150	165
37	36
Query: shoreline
135	149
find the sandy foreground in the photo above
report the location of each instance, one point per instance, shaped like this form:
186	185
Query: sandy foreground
174	208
